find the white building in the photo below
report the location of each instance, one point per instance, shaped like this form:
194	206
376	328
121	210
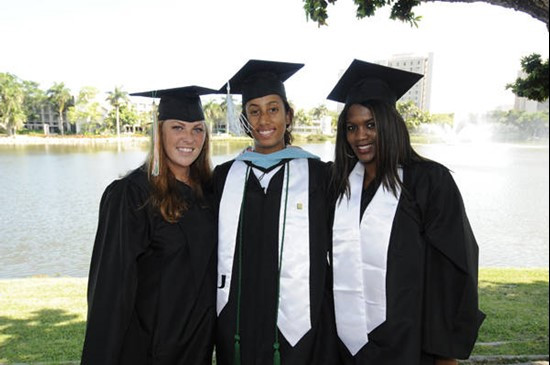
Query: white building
420	93
530	106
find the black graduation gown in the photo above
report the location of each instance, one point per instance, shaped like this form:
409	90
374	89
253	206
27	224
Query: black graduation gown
151	290
259	277
432	297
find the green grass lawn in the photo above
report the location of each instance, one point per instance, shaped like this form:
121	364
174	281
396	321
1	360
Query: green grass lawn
516	304
43	319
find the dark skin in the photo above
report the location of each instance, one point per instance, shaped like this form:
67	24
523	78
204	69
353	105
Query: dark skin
361	136
268	121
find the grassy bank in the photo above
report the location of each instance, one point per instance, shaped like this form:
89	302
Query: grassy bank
516	305
43	319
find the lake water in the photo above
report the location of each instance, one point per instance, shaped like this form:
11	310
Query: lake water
49	203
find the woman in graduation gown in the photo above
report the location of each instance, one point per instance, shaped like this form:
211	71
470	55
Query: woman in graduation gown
405	258
273	296
151	290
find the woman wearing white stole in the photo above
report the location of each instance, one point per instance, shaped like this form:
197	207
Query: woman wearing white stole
405	260
274	235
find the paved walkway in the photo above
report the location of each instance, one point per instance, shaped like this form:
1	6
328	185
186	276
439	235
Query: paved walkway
507	360
475	361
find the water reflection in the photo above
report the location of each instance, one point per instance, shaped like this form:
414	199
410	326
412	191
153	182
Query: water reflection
51	197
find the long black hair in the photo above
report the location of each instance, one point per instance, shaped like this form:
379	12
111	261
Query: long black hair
393	149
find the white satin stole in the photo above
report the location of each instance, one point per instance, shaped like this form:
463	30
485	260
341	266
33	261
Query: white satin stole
294	317
360	257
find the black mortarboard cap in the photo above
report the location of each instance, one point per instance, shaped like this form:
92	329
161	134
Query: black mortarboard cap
182	103
259	78
364	81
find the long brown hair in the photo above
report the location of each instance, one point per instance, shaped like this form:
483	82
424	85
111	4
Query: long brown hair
165	194
393	149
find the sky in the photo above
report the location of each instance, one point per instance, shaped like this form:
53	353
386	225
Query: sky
142	45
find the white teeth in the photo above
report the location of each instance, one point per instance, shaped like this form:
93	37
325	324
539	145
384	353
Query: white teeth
185	149
266	132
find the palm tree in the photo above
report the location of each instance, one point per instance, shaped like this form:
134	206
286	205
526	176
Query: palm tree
60	97
319	112
213	113
117	98
12	96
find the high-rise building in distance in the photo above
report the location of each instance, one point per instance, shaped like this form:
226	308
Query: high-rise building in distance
420	93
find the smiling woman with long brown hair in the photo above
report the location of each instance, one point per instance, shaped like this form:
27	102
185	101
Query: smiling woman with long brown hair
151	291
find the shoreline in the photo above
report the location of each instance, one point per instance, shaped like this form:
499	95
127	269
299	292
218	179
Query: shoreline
70	140
22	140
416	139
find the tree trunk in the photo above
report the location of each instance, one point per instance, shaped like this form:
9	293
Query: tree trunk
538	9
117	124
61	126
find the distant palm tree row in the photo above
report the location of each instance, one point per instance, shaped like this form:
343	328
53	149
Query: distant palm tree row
24	105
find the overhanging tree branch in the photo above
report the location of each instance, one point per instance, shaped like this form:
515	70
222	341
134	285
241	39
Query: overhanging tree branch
316	10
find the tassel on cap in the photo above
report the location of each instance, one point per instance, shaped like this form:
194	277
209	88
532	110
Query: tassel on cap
155	169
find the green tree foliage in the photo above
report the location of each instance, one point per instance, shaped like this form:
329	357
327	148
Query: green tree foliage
316	10
125	114
117	98
145	120
214	112
302	118
443	119
318	112
12	115
334	118
61	98
87	114
413	115
34	100
516	125
535	85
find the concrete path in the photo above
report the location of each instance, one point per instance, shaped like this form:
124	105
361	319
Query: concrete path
507	360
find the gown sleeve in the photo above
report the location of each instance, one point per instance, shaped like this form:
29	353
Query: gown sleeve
451	311
122	235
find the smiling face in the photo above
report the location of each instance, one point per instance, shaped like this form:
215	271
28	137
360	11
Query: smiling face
268	121
183	143
361	134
